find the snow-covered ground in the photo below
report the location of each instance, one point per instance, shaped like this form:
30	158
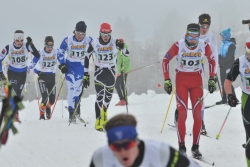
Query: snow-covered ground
52	143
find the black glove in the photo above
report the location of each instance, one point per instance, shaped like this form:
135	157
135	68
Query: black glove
29	41
2	77
232	100
168	86
86	81
63	68
40	73
211	85
119	43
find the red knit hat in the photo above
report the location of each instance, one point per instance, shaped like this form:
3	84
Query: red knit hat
248	45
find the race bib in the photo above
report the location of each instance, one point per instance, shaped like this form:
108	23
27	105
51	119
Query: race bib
77	54
190	64
18	61
247	82
105	58
48	64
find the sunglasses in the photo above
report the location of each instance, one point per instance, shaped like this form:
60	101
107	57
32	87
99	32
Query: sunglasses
205	27
19	40
118	146
105	34
192	38
80	33
49	46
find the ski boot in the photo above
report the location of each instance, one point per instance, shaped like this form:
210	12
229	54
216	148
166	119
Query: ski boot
195	151
176	117
42	111
98	124
182	149
72	117
203	130
104	116
48	110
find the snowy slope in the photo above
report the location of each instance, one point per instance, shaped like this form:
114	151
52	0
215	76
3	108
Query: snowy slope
53	143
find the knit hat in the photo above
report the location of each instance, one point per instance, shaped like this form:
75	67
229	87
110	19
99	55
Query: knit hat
81	26
226	34
48	39
193	28
205	19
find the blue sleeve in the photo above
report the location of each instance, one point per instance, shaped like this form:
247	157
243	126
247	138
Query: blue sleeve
35	60
63	48
35	70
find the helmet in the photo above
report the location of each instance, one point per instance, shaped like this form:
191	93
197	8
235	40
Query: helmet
248	45
105	28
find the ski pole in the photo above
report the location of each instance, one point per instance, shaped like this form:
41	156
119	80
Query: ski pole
37	97
219	87
246	145
168	109
218	135
143	67
57	98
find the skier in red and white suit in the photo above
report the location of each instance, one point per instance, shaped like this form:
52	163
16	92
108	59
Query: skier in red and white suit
189	53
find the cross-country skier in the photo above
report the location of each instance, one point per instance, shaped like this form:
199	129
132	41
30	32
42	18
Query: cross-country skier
76	47
241	66
205	22
123	65
126	149
46	72
190	52
19	55
105	50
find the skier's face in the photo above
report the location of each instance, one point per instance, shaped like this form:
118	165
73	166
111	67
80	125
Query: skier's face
192	38
126	155
79	35
105	36
204	28
49	47
18	43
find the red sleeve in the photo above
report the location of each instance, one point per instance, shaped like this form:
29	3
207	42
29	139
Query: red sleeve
172	52
211	60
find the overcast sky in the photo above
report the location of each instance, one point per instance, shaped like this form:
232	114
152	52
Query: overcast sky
58	18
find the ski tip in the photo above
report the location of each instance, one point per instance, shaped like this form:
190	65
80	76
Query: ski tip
213	164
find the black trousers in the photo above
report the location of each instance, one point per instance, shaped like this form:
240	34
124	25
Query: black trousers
245	108
104	86
120	86
223	76
46	84
17	80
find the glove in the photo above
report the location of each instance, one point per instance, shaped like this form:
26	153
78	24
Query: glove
86	81
63	68
119	43
2	77
211	85
29	41
168	86
231	100
40	73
